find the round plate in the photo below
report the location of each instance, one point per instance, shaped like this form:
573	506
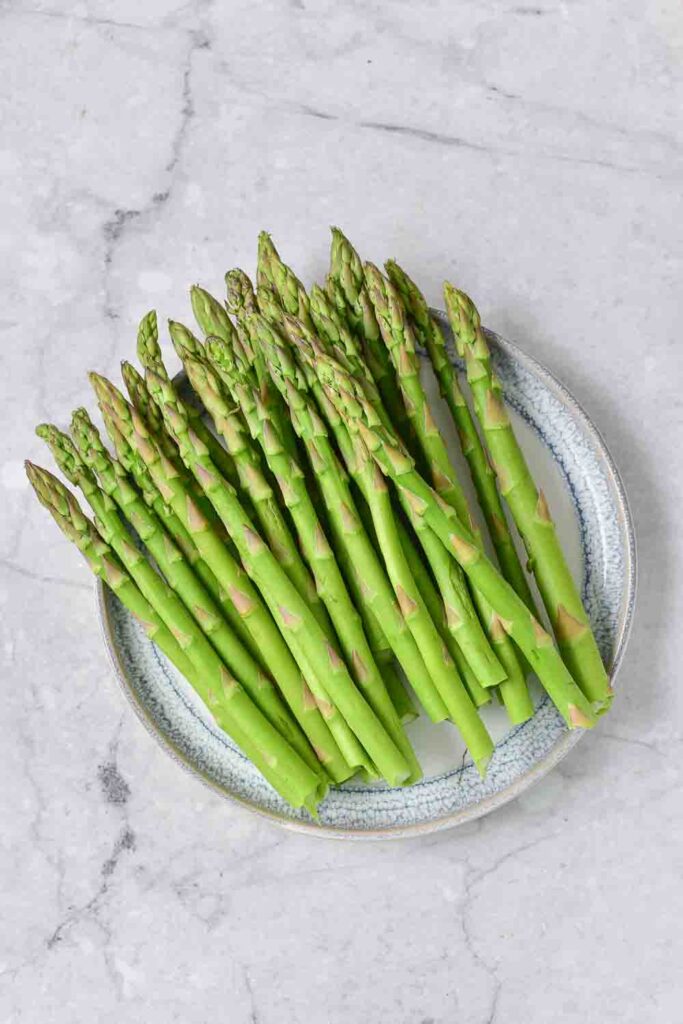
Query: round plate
572	465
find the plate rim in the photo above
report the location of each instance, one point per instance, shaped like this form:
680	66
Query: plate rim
495	800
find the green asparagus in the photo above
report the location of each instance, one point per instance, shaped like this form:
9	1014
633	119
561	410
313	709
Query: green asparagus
232	578
483	477
528	506
400	342
217	687
513	614
315	546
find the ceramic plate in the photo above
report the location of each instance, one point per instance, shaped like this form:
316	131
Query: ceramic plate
570	461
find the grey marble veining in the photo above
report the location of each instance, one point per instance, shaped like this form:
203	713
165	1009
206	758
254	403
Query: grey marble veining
534	152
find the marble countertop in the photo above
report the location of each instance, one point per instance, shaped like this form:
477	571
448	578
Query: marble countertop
534	153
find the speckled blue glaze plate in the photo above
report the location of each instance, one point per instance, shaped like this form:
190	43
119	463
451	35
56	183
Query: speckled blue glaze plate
570	461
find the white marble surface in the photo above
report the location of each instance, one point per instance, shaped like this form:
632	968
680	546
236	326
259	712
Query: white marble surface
533	151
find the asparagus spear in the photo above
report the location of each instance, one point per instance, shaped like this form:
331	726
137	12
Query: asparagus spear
183	340
211	316
269	394
346	743
381	648
453	615
435	600
273	273
136	469
271	305
399	339
338	496
148	341
528	506
400	698
134	465
149	354
236	584
483	477
141	398
369	575
461	616
440	666
457	616
315	546
513	614
231	428
232	366
114	482
144	403
457	613
231	707
348	279
296	621
397	548
277	532
80	465
241	300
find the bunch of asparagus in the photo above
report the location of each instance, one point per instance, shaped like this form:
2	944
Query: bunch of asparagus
306	555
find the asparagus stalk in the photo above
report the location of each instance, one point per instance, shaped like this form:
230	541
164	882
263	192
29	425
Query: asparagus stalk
226	340
400	342
456	615
145	405
241	300
183	340
441	677
513	614
234	371
403	703
274	274
528	506
242	303
114	482
148	342
461	617
219	688
436	601
441	668
483	477
136	467
315	546
80	466
346	743
211	316
233	710
149	354
276	531
229	424
295	619
357	462
461	706
141	398
348	280
369	575
232	578
453	612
